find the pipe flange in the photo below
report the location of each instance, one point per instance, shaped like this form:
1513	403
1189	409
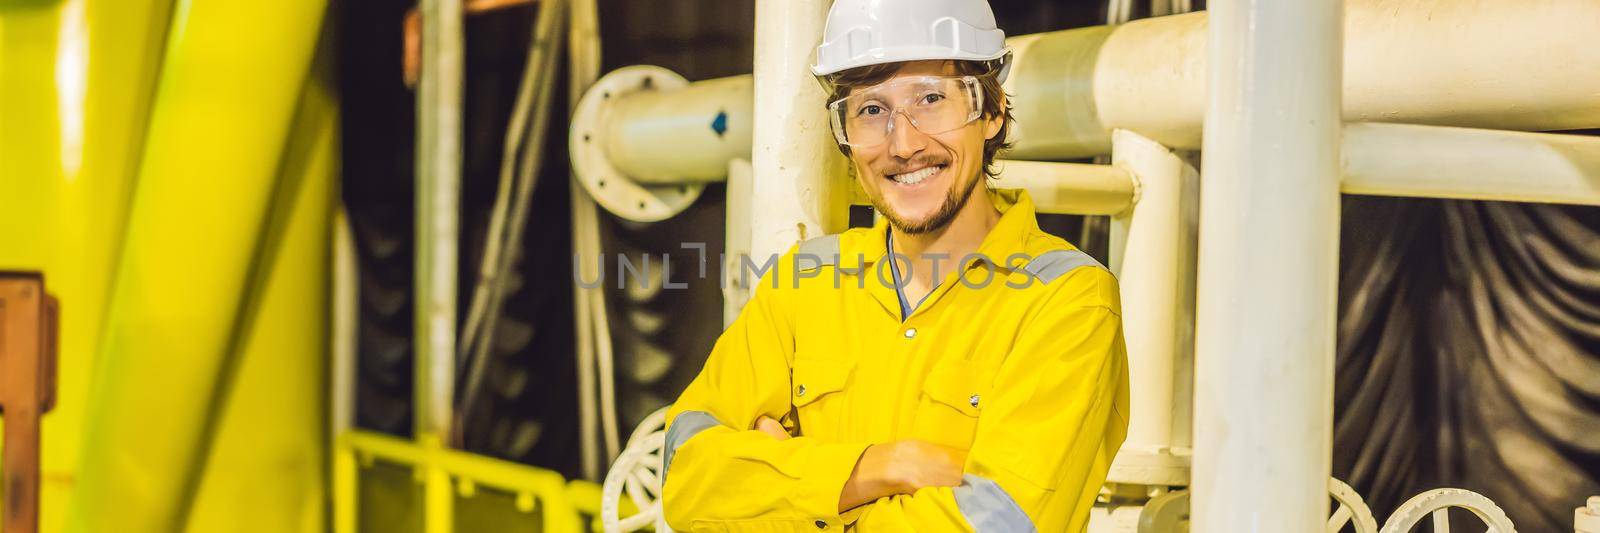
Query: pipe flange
617	192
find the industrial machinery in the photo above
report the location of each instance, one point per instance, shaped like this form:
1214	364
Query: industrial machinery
240	350
1404	118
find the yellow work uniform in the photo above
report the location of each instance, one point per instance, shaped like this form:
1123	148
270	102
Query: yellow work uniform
1027	372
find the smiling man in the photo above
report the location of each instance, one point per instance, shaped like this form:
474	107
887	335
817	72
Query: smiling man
952	368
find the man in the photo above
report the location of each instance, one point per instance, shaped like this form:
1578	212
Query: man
951	368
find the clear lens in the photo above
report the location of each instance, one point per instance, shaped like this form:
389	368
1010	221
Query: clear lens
933	104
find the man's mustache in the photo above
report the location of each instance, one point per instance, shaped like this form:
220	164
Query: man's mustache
920	162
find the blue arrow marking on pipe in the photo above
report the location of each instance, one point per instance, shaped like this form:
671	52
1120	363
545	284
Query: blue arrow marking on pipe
720	124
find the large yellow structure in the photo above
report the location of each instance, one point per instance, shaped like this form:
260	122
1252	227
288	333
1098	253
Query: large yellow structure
170	166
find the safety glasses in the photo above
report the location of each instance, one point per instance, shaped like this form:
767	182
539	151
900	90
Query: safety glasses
932	104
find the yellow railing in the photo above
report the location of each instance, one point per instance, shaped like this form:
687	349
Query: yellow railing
446	473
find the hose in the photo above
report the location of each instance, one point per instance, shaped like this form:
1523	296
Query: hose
533	98
584	53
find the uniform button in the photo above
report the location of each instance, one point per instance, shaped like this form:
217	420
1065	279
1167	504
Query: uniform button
973	400
821	524
800	390
911	333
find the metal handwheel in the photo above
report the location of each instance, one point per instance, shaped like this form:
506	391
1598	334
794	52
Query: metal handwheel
1352	509
638	472
1437	503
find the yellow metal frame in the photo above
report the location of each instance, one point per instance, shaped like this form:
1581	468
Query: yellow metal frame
442	470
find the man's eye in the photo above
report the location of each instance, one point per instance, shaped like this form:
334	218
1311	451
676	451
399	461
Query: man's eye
871	110
932	98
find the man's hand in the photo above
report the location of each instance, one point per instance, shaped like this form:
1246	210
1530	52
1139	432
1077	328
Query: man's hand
901	467
767	425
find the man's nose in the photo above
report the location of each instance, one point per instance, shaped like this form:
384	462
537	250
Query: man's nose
904	139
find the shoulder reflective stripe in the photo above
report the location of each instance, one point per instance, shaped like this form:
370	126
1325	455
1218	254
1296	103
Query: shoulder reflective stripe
1056	263
824	249
686	425
988	508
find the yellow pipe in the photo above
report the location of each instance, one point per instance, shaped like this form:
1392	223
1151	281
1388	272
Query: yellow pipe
76	79
268	443
190	274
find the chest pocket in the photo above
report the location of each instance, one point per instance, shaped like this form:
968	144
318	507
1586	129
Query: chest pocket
817	394
953	397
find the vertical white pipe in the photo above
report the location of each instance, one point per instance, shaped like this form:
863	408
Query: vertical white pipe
1267	271
798	172
736	240
1156	267
346	312
438	209
438	214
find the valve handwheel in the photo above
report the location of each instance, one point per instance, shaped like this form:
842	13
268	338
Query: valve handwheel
1437	503
638	472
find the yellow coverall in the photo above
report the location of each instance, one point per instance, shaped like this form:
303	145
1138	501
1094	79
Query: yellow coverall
1031	381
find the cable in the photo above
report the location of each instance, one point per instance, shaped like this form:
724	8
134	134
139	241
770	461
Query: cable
584	54
538	83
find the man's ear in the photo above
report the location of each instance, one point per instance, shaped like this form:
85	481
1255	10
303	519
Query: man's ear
991	125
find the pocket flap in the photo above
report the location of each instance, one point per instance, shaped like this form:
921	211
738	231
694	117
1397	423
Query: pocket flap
816	378
960	385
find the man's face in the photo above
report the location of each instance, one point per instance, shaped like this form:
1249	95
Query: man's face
918	181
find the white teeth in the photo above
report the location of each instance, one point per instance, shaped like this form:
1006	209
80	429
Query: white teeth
913	178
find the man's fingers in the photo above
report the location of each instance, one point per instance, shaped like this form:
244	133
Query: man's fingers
771	427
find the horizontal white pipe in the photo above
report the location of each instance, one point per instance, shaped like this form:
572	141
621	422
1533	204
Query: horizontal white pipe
680	136
1070	188
1527	66
1441	162
1507	65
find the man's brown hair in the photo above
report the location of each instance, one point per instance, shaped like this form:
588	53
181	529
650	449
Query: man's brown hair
988	74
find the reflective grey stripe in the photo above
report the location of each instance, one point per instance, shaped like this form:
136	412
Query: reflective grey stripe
1056	263
824	249
987	507
686	425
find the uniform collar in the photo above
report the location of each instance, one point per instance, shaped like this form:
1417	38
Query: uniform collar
1008	237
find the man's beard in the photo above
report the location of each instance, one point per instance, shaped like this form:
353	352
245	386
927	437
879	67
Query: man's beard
953	202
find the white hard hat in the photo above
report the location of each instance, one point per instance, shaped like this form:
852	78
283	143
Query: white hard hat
874	32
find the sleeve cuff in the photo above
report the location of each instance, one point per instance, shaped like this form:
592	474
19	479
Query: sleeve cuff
827	468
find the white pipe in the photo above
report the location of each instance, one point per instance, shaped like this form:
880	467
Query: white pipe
346	312
1070	188
1153	256
1500	65
680	136
799	174
438	196
736	239
1269	231
1441	162
1441	62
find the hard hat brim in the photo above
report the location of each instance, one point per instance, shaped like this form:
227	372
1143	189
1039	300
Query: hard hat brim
907	54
